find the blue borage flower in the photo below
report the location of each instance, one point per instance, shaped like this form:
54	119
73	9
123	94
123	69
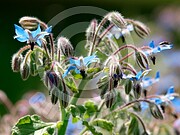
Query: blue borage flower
148	81
170	95
137	77
118	32
80	64
31	37
156	49
163	99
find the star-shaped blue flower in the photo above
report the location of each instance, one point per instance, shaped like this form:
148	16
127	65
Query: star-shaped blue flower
80	64
170	95
148	81
137	77
157	49
31	37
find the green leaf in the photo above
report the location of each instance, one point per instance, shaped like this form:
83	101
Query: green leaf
77	76
128	86
75	119
91	70
122	130
133	127
71	85
28	125
90	107
91	128
107	125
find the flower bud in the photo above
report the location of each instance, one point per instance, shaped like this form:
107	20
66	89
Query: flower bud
16	62
109	99
142	60
33	69
141	29
65	46
25	71
156	111
117	19
51	79
64	98
137	89
54	96
28	22
91	30
116	73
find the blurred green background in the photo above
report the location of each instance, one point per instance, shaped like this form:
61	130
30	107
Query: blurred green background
147	11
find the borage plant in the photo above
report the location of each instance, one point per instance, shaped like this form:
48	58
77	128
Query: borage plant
114	71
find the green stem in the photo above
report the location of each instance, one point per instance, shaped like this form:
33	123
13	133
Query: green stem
128	105
140	120
73	101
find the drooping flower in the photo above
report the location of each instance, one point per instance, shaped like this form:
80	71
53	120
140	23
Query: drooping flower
156	49
137	77
148	81
31	37
80	64
170	95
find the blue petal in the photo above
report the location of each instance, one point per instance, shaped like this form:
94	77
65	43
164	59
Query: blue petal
165	47
158	101
88	60
36	32
49	29
75	62
138	75
21	38
68	70
156	50
39	42
20	32
170	90
151	44
77	71
157	75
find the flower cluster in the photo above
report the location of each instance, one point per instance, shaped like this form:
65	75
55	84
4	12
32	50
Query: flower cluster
107	64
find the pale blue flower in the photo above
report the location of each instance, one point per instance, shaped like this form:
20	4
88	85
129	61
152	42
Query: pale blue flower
156	49
31	37
80	64
148	81
137	77
170	95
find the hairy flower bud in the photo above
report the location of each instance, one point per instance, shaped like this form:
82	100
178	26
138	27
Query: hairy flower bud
117	19
116	73
64	98
90	31
24	70
16	62
109	99
141	29
33	68
54	96
28	22
65	46
142	60
137	89
51	79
